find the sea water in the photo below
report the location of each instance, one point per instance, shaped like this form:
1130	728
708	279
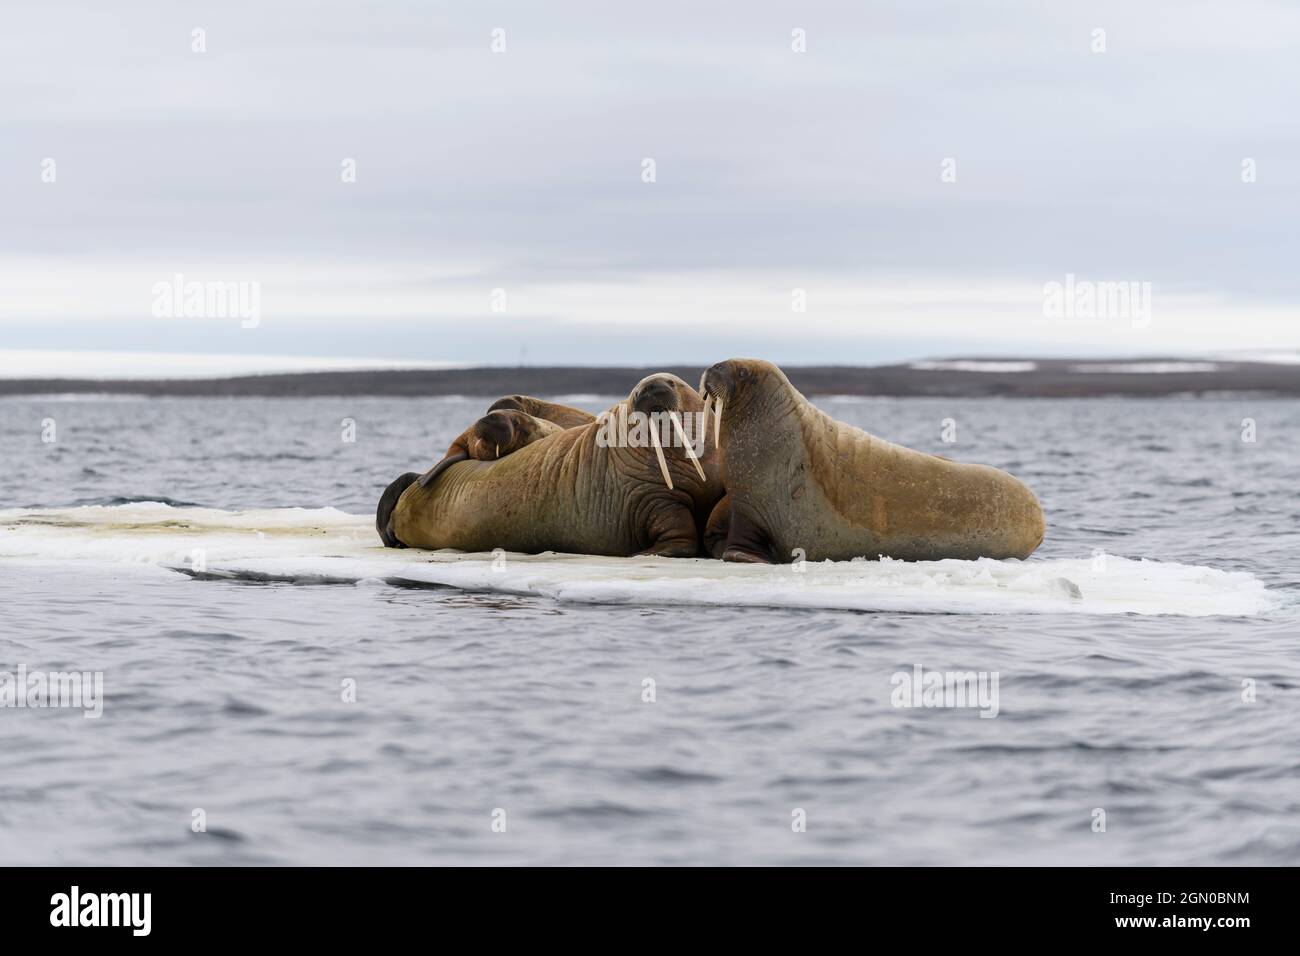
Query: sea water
277	688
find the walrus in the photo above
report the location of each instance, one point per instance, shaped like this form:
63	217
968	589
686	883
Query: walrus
563	415
798	479
580	490
510	424
495	435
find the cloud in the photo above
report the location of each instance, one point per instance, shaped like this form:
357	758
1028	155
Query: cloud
774	169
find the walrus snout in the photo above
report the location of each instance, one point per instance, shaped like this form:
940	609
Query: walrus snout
655	395
716	380
727	378
491	433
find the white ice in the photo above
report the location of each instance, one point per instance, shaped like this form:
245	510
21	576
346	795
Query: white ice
327	545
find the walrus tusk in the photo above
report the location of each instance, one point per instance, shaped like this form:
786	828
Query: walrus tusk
690	452
498	451
659	453
705	412
717	423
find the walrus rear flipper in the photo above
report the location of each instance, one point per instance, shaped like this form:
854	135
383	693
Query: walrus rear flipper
430	476
387	502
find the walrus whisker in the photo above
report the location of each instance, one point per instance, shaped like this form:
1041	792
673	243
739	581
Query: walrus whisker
659	453
686	444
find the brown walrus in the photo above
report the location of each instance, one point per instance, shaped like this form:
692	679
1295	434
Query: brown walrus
798	479
562	415
488	438
495	435
510	424
580	490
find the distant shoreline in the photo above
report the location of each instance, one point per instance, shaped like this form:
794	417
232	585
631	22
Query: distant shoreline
948	378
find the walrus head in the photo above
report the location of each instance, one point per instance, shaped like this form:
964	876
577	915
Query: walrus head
500	432
737	383
664	396
660	393
493	436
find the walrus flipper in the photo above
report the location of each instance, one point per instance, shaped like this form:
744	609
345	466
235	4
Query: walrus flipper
718	528
430	476
387	502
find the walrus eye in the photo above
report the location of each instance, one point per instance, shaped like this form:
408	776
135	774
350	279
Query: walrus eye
742	373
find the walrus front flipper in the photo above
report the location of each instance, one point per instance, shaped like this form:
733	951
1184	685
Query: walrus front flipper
430	476
387	502
747	543
718	528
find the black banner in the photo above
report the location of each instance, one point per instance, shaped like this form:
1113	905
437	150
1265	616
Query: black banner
332	906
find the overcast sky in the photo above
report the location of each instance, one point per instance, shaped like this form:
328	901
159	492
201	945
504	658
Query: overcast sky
775	170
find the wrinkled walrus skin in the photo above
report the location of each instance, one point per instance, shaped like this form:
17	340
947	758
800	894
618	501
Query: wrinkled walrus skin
798	479
565	492
505	428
